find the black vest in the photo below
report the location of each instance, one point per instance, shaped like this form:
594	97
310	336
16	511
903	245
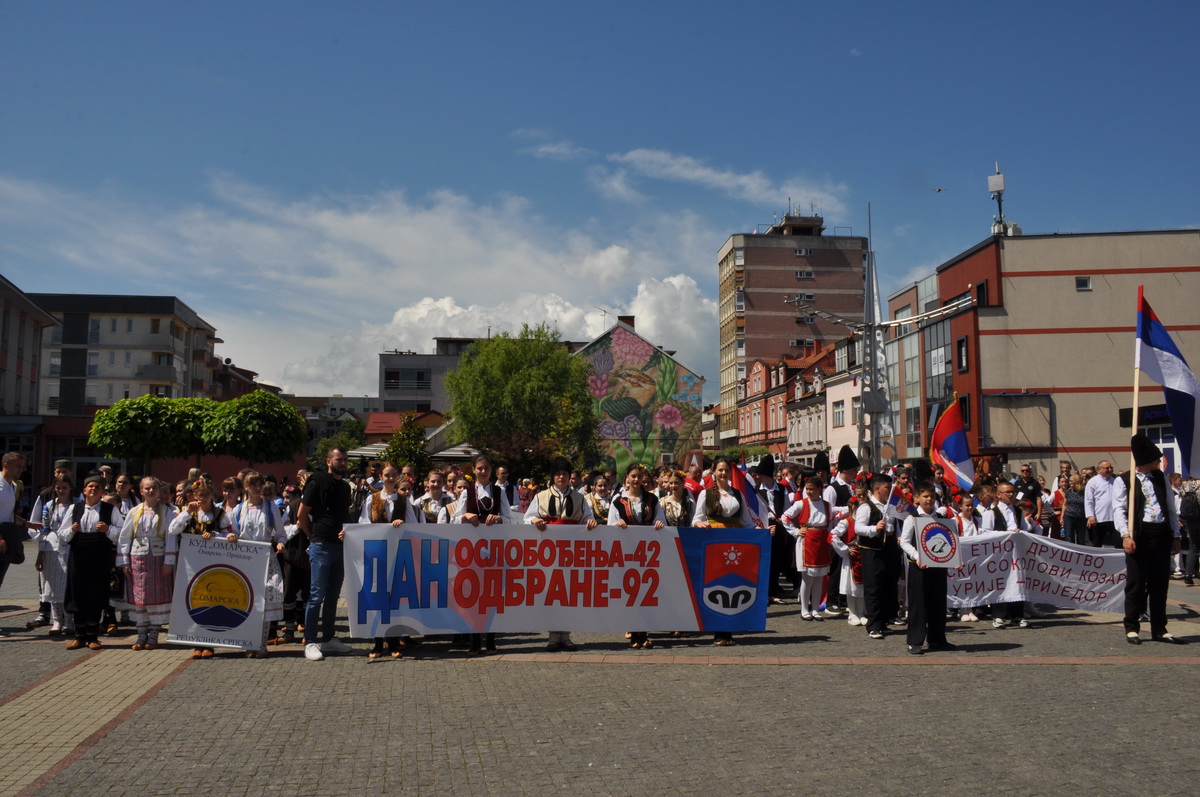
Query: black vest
1139	499
649	510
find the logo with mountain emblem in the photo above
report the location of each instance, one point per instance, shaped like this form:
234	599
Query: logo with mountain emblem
220	598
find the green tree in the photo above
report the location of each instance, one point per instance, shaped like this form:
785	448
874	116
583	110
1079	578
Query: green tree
407	446
523	400
150	427
256	427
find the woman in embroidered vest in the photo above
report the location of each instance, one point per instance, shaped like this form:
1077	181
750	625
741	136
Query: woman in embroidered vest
637	506
600	496
89	567
722	506
808	521
557	505
393	504
147	554
256	519
484	502
433	504
201	516
54	553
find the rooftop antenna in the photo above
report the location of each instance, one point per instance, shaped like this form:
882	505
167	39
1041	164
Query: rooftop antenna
789	206
812	208
996	187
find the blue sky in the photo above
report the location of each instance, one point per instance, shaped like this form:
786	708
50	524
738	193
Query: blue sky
324	181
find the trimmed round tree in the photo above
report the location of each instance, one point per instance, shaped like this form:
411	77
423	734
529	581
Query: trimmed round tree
256	427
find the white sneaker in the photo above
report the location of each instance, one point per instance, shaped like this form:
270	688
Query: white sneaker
852	619
998	622
862	621
312	652
336	646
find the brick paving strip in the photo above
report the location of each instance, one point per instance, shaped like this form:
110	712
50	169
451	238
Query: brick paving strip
49	724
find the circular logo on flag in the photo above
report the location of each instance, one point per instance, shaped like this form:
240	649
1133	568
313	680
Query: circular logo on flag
219	598
939	543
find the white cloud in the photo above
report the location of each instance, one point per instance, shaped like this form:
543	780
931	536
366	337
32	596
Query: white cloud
613	184
749	186
549	145
307	291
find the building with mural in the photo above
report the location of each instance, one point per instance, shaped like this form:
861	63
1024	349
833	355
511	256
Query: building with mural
649	405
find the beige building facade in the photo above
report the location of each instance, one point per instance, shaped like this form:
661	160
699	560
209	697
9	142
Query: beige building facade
1042	364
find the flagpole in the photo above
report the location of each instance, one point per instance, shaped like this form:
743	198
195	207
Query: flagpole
1137	380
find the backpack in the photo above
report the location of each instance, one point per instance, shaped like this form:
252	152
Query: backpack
1189	506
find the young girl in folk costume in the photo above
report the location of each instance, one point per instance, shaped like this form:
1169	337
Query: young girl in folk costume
433	504
560	504
201	516
964	520
636	506
89	568
54	553
256	519
808	521
845	542
393	504
483	502
600	496
722	506
678	505
460	486
147	553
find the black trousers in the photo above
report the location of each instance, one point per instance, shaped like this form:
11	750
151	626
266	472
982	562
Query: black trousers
782	550
1148	572
926	605
881	575
1103	535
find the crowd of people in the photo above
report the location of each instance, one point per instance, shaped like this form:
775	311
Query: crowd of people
842	540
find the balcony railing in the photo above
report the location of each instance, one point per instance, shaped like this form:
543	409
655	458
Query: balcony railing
160	372
407	384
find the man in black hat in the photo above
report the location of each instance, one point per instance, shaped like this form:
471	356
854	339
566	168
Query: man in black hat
774	500
1150	544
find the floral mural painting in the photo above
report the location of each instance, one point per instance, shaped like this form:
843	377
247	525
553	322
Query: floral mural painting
648	404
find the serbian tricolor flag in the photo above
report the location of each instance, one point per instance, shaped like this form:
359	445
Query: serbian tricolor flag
948	448
747	488
1158	357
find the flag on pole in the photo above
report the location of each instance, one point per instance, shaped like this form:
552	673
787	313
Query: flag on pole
1159	358
746	487
948	447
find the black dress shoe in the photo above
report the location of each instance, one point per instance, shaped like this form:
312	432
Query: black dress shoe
1133	639
915	650
1171	640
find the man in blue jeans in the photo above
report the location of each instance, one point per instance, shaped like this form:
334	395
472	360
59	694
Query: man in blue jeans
322	517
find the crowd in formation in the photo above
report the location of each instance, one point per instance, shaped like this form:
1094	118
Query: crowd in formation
842	545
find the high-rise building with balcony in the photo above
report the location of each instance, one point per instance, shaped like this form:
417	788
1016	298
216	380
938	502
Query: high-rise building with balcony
106	348
766	282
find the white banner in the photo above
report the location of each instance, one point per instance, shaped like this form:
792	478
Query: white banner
1006	567
423	579
219	593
